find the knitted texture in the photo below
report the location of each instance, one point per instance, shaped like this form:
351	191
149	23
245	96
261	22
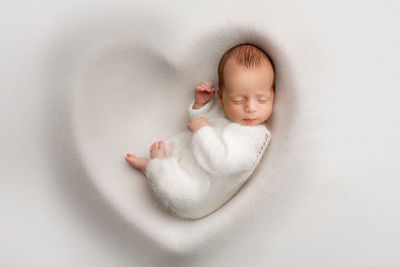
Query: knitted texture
205	169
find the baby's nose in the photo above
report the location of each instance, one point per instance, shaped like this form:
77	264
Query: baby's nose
250	106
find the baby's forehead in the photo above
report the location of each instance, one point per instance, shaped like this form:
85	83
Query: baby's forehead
259	91
233	63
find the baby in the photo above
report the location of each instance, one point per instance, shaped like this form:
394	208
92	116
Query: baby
196	172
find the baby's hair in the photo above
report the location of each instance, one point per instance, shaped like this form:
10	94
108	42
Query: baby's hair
247	55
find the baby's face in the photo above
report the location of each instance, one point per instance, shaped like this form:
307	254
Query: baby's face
248	96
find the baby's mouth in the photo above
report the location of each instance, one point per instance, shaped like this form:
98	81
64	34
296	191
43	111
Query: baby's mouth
249	120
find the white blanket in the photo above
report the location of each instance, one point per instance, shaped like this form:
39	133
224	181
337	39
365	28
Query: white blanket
85	82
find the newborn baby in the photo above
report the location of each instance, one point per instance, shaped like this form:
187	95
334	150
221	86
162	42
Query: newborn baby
196	172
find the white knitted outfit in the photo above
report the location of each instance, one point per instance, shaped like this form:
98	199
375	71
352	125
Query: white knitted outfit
204	169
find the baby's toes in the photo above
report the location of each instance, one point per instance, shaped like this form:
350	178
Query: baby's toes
129	157
162	145
153	146
159	144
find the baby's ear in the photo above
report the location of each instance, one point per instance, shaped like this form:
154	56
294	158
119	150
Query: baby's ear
219	96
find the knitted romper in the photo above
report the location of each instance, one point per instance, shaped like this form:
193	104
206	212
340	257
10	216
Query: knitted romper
204	169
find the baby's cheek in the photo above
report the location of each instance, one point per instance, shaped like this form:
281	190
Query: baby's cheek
234	112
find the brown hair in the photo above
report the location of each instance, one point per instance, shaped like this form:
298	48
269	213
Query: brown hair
247	55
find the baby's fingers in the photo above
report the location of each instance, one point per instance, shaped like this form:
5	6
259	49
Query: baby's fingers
205	85
208	85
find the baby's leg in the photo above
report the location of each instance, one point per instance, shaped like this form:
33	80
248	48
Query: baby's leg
177	191
137	162
157	150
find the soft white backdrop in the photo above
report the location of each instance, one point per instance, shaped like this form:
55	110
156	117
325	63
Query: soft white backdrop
83	82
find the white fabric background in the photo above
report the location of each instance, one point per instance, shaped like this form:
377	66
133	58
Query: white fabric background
84	82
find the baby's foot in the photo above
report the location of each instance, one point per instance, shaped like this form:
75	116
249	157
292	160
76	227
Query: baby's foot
137	162
157	150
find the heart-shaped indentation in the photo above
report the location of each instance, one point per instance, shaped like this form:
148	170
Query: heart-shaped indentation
126	90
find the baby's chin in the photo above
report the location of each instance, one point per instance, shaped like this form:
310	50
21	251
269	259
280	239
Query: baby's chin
245	122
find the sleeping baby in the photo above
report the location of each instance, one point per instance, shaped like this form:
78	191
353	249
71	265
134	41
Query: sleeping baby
196	172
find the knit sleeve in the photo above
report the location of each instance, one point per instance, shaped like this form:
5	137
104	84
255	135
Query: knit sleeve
238	149
210	109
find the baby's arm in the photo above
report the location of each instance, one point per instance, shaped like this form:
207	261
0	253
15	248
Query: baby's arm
235	151
204	104
196	124
202	94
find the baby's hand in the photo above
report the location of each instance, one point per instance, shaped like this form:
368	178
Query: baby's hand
196	124
202	94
